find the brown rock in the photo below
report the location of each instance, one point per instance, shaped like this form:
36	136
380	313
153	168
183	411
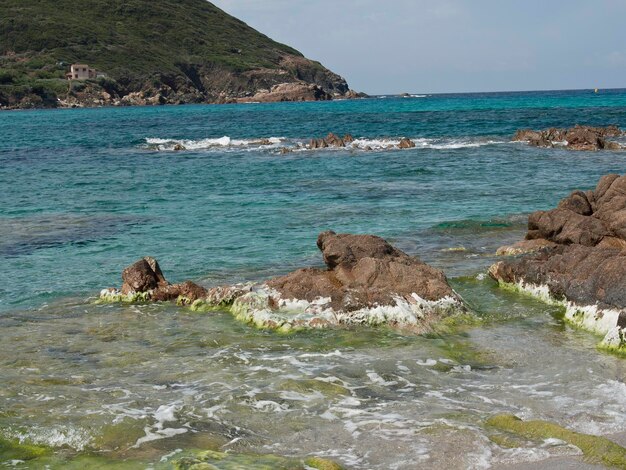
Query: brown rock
525	246
142	276
406	143
584	247
317	144
575	138
293	91
334	141
363	271
145	276
331	140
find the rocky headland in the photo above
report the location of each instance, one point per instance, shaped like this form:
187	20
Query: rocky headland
366	282
575	255
148	53
575	138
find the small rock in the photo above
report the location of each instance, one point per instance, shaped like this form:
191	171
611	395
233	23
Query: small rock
406	143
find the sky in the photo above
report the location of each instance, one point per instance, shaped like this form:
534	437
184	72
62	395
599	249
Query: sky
439	46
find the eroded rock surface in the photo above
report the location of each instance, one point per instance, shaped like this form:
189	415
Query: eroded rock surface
366	281
580	259
575	138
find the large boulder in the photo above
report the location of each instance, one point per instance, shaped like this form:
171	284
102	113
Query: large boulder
579	259
363	271
575	138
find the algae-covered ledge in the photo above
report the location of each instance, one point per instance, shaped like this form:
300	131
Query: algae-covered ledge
575	256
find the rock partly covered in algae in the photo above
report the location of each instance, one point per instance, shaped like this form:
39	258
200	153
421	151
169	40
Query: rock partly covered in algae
366	281
575	138
581	260
143	281
596	449
211	460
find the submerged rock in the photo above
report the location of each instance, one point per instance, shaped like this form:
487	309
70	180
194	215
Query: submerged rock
229	460
580	259
575	138
596	449
366	281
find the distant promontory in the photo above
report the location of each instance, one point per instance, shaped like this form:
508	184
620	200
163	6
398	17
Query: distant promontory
143	52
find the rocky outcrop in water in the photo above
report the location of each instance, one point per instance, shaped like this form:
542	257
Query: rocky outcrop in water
144	280
575	138
581	259
333	140
366	281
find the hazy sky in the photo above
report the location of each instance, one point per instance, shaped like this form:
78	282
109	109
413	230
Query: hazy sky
394	46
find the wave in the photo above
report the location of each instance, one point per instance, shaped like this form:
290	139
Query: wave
422	143
284	145
204	144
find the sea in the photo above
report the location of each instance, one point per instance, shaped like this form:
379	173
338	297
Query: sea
222	194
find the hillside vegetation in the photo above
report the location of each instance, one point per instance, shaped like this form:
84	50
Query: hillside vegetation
164	50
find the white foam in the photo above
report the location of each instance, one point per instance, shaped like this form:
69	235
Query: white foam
58	436
276	143
163	414
378	380
210	143
269	406
588	317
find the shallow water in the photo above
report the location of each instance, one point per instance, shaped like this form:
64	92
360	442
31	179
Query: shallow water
85	192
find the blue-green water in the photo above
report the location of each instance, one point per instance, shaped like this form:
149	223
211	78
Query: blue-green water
82	196
85	192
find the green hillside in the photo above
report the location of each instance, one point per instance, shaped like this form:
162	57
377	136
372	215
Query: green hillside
190	46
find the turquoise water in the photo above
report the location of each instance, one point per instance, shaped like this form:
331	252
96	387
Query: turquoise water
83	195
86	192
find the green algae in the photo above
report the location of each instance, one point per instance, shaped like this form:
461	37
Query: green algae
617	347
313	385
201	305
93	462
11	449
114	297
572	315
596	449
212	460
120	435
322	464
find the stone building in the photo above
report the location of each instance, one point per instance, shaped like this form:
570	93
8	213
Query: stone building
81	72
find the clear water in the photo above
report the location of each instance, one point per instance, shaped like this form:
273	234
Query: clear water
85	192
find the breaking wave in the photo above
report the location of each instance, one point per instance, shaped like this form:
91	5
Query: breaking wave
284	145
205	144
